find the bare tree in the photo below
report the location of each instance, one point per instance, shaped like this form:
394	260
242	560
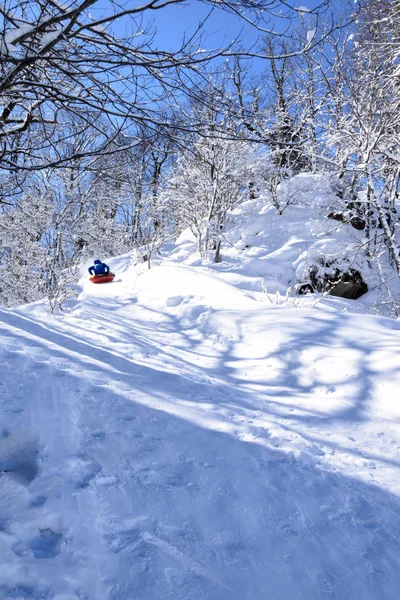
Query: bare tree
58	62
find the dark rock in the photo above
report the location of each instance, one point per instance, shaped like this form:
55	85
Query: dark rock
350	285
337	217
326	276
358	223
305	288
343	284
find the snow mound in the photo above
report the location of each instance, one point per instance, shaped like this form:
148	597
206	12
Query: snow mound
275	246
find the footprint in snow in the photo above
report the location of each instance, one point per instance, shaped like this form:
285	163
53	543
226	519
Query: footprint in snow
82	470
19	592
174	301
45	544
37	501
198	311
18	455
363	514
94	438
16	410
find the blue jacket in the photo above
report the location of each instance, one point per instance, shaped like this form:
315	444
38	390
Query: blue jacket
98	268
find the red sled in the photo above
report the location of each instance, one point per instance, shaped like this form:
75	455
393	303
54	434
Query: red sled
102	278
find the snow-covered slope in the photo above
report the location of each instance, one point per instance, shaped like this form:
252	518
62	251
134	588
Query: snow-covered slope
263	248
178	436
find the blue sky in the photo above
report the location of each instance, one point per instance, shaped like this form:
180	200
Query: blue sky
221	27
176	21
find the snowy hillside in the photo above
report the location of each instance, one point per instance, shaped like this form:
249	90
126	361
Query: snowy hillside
226	424
273	250
177	435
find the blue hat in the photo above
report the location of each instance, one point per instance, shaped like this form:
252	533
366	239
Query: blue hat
97	261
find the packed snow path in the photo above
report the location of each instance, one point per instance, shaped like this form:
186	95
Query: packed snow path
175	437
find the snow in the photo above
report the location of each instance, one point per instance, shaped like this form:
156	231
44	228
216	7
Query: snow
7	45
62	5
50	36
302	9
177	434
311	35
18	32
100	28
6	48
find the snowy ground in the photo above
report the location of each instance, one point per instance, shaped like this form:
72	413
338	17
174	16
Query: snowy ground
177	436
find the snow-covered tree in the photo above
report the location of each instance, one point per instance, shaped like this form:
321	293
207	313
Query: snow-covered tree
64	63
210	179
370	139
23	256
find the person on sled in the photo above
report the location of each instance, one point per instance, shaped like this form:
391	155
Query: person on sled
99	268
